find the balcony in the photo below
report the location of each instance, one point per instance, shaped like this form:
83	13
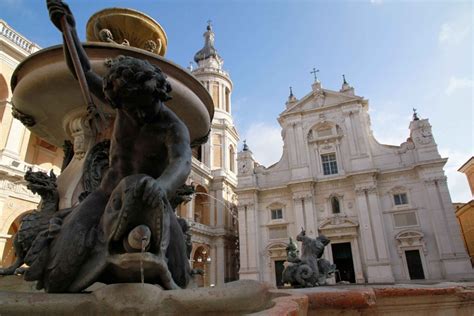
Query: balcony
16	39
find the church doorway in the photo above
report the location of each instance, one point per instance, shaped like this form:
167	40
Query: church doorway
279	267
415	267
342	257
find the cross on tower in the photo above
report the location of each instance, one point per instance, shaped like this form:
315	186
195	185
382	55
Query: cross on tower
209	23
315	73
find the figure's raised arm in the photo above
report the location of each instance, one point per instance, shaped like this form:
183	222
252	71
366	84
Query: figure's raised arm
179	157
58	11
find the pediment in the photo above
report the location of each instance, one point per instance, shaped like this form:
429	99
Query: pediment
325	98
276	250
409	234
275	205
338	222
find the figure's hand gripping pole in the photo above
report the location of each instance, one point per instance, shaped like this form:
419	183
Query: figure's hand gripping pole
96	116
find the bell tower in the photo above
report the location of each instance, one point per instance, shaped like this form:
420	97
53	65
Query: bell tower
220	152
216	172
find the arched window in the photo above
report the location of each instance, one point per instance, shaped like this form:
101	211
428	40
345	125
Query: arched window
336	209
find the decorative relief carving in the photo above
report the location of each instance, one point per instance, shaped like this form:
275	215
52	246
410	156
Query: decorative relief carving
25	119
15	187
152	46
406	146
276	250
82	135
433	180
410	238
302	195
367	188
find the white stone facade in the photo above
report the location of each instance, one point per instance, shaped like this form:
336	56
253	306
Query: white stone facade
388	207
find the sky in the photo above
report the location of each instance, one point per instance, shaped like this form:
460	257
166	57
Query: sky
397	54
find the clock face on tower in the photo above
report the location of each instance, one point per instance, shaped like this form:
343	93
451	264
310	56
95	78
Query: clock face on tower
243	167
424	136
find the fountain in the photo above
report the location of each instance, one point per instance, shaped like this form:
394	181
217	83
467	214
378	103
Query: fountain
127	236
113	220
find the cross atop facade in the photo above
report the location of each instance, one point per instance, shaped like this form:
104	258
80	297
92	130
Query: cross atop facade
315	73
209	23
415	115
344	79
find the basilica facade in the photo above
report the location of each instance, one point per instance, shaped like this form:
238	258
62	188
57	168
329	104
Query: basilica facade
386	209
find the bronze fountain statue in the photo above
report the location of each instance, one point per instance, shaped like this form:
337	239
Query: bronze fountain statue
309	269
125	229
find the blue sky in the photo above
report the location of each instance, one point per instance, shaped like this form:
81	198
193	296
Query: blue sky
399	55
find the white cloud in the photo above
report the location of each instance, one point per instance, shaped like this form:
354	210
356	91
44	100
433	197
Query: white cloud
454	32
457	181
264	140
458	83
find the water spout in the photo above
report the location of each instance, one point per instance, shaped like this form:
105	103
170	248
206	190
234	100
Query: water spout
144	244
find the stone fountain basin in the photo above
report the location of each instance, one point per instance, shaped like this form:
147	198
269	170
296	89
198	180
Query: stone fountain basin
44	88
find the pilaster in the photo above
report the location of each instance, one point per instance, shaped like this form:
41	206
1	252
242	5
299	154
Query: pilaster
371	226
220	259
249	241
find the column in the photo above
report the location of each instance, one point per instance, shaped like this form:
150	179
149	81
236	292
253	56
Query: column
190	209
301	140
212	208
220	262
220	208
242	215
212	275
311	216
291	143
300	220
438	219
365	226
377	225
339	158
372	234
359	274
451	220
455	261
250	240
351	137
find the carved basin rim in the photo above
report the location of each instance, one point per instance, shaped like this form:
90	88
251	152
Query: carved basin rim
133	25
44	88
